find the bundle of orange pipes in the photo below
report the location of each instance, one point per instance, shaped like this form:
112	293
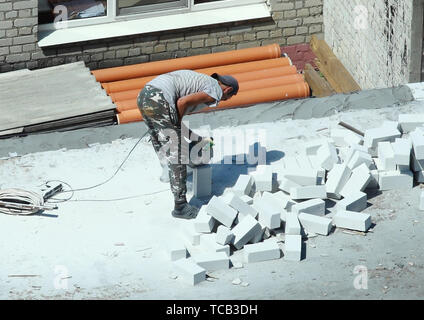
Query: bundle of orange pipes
262	73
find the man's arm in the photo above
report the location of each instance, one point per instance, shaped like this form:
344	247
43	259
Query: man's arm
192	100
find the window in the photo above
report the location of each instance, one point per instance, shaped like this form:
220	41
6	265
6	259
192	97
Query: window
66	21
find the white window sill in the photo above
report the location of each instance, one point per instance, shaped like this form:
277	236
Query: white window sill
153	24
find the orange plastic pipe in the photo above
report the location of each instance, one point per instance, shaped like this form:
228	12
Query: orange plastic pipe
265	73
245	85
124	85
291	91
248	96
129	116
193	62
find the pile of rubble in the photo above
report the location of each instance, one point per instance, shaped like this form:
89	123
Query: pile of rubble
269	208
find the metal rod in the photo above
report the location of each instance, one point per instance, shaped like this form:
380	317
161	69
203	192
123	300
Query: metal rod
349	127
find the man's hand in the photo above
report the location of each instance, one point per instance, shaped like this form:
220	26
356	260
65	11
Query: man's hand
192	100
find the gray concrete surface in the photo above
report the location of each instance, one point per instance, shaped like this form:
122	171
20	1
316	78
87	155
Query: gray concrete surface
116	249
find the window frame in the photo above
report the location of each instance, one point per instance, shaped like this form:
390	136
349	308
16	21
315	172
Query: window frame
112	13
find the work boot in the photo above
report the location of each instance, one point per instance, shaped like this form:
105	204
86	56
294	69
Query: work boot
185	211
165	174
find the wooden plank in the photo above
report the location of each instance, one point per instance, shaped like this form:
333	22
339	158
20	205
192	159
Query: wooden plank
331	67
320	87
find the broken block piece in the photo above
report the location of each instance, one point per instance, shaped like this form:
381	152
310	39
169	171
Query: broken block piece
402	151
293	247
202	181
203	223
313	206
309	192
358	181
243	185
189	271
315	224
352	220
421	207
356	201
263	251
245	230
337	179
409	122
224	235
392	180
345	138
188	233
386	156
221	211
212	261
417	138
269	215
327	156
243	208
177	251
208	243
292	224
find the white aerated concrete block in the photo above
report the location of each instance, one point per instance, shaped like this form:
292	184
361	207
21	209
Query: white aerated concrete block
311	147
212	261
385	133
177	250
202	181
203	223
359	158
221	211
344	137
386	156
188	232
337	178
263	251
293	247
243	208
352	220
402	150
279	200
409	122
358	181
245	230
327	156
356	201
269	215
263	180
302	177
314	206
392	180
417	138
308	192
421	201
243	185
224	235
189	271
315	224
292	224
259	236
352	149
320	171
286	184
247	199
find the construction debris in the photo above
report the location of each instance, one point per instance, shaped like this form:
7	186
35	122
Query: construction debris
256	218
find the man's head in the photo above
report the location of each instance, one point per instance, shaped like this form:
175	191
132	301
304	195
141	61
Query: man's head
228	84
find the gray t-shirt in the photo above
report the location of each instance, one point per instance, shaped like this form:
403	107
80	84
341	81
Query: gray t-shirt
177	84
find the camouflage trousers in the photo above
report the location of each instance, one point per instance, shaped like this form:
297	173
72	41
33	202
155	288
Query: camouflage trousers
165	133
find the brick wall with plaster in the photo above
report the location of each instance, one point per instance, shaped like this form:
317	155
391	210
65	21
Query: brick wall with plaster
371	38
292	22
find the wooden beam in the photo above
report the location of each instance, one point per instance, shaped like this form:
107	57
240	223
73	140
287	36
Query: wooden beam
319	86
331	67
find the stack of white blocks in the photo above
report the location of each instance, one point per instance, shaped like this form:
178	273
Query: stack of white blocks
341	168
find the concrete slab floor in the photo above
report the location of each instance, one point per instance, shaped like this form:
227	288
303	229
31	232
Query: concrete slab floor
117	249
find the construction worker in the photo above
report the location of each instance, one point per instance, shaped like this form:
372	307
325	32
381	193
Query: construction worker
163	102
